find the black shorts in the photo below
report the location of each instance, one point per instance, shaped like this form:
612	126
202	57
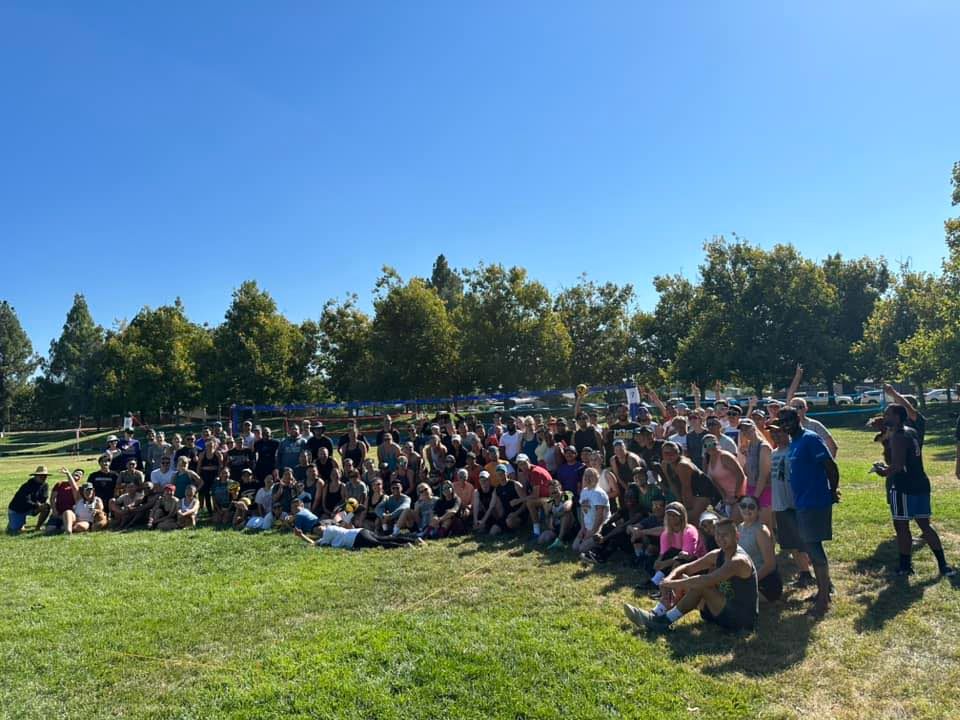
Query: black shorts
726	619
788	534
815	524
771	587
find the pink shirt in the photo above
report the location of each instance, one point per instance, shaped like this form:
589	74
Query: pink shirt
688	541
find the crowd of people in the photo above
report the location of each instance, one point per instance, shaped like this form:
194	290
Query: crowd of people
697	500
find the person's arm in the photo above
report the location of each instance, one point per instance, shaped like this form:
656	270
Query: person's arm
707	562
831	444
655	399
603	512
833	476
730	462
795	383
765	541
734	567
695	391
194	478
763	478
901	400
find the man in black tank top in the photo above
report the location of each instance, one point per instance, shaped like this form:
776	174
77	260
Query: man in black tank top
908	489
726	595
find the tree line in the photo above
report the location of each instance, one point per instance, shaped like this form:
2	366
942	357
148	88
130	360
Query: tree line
749	317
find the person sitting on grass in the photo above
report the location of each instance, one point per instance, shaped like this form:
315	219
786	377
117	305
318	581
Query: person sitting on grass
680	542
261	511
464	489
166	512
536	483
726	595
416	518
446	514
708	529
63	498
487	511
131	476
614	534
139	512
87	513
594	513
391	507
645	536
30	499
561	518
757	541
356	489
189	509
125	506
512	495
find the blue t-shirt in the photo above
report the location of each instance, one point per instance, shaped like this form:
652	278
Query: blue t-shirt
305	520
808	479
570	475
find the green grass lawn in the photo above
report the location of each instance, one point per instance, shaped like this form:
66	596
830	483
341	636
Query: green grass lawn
210	624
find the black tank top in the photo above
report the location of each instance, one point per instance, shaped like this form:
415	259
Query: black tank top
332	499
743	601
914	480
486	497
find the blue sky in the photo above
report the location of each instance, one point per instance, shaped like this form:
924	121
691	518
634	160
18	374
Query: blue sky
154	150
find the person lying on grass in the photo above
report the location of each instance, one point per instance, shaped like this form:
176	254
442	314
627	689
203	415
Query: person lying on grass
335	536
726	595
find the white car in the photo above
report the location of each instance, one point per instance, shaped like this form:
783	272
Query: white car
871	397
822	399
937	396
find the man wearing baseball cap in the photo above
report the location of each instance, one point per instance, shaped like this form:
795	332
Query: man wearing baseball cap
536	482
30	499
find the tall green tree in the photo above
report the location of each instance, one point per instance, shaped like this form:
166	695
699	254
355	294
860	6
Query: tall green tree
412	343
257	354
859	284
344	352
759	312
511	335
17	361
597	317
73	362
447	283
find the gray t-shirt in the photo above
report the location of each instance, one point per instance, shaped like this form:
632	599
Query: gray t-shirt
780	479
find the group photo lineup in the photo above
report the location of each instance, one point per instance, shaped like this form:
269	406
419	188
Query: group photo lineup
480	362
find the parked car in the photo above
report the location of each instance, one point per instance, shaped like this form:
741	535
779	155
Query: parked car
871	397
937	396
822	399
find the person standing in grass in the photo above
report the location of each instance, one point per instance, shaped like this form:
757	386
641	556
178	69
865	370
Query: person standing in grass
725	595
30	499
908	489
815	481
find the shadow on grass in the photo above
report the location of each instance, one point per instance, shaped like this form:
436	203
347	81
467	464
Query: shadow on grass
895	595
779	642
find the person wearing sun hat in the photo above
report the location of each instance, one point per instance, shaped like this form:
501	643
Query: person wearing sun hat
30	499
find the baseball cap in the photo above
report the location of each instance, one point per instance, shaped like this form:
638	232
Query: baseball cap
645	429
522	457
618	441
484	475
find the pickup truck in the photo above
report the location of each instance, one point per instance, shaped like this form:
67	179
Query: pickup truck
822	399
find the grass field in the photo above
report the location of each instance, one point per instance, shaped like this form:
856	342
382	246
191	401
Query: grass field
210	624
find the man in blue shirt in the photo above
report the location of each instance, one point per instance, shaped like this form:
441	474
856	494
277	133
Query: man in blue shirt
815	481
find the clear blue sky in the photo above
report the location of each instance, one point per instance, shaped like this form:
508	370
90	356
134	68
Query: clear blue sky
150	150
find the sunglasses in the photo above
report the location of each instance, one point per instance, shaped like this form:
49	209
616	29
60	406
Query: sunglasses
747	506
733	413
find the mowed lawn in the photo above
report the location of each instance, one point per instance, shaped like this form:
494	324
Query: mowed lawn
210	624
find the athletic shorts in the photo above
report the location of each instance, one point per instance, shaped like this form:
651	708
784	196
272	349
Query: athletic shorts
726	619
771	587
788	534
908	507
815	524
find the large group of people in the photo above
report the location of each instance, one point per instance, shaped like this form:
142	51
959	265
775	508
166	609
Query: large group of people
697	499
